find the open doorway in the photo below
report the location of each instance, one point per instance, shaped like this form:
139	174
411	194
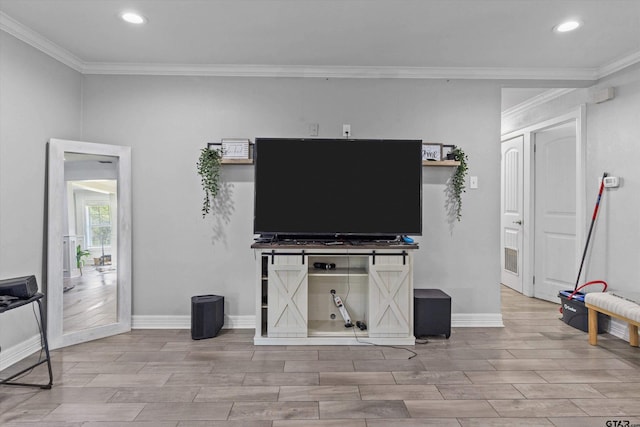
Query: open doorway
542	218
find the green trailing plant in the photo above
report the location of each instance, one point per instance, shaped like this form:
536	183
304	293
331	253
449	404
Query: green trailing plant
458	180
209	165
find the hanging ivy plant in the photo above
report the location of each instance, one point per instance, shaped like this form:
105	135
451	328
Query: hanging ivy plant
458	180
209	170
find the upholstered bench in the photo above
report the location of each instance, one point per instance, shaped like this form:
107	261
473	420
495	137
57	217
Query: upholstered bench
614	306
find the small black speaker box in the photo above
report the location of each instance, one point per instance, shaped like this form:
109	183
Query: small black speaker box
431	313
20	287
207	316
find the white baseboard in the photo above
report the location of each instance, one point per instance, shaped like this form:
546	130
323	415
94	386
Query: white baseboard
184	322
619	329
477	320
12	355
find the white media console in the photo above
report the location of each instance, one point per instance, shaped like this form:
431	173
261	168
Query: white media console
294	304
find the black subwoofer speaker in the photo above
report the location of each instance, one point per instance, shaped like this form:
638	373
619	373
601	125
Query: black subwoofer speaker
431	313
207	316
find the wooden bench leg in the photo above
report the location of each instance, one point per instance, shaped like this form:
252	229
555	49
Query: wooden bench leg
633	335
593	326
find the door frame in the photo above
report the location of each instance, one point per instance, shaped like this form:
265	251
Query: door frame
577	115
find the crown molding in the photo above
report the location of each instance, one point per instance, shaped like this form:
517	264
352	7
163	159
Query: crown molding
21	32
27	35
535	101
341	71
619	64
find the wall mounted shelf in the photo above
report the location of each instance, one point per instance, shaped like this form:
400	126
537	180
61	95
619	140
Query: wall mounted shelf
237	161
424	163
249	161
440	163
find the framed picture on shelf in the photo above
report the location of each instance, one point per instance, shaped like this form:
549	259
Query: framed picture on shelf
447	151
235	148
431	151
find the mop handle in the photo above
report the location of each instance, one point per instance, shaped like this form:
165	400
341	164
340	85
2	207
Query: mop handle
595	211
593	220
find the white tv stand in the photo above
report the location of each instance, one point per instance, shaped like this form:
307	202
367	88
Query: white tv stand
294	305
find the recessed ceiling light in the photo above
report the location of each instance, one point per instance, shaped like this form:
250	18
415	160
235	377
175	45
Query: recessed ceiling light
567	26
133	18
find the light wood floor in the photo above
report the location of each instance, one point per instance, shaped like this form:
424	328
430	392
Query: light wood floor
91	299
537	371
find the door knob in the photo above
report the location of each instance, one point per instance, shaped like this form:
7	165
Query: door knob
519	222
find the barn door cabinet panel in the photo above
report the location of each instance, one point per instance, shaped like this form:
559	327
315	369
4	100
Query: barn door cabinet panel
287	296
391	288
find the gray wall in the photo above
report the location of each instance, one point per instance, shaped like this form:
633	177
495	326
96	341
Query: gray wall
39	98
612	145
167	120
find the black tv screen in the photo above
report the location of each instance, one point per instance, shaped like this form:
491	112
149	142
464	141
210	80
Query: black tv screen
337	187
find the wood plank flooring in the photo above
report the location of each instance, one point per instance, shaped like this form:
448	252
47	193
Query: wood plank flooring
91	299
536	371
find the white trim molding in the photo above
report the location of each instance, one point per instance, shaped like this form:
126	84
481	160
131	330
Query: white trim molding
184	322
27	35
362	72
535	101
618	329
619	64
45	45
473	320
477	320
12	355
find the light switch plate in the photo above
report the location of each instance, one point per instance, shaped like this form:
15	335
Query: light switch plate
473	182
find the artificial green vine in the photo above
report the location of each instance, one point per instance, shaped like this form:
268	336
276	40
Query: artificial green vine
209	165
458	180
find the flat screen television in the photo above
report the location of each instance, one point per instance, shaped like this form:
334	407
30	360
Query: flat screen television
337	188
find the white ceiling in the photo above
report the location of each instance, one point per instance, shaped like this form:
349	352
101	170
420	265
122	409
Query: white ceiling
389	38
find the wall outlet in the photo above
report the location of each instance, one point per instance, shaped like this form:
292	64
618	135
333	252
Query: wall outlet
346	130
314	128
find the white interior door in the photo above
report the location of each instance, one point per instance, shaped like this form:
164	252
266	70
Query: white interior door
555	239
511	205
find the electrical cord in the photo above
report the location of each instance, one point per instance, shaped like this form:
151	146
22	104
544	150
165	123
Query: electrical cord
358	340
413	353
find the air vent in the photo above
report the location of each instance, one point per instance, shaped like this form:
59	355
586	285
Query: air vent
511	260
